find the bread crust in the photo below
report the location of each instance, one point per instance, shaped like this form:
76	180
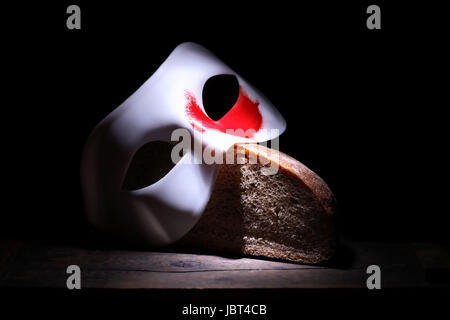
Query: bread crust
295	168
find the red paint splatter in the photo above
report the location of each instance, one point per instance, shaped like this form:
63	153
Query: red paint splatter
243	120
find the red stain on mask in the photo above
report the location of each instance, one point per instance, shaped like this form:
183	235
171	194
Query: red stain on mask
243	119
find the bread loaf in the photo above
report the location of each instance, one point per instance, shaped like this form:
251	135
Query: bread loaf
287	215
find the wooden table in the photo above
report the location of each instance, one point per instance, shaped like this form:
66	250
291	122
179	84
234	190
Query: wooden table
38	264
415	280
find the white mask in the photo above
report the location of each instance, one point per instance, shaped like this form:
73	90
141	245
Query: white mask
171	98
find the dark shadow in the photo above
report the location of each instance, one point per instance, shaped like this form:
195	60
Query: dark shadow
149	164
343	259
221	226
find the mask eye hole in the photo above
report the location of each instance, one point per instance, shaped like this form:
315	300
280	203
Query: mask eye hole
149	164
219	94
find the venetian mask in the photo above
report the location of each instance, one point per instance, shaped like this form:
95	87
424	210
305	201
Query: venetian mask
171	99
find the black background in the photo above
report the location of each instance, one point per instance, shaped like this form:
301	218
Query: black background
364	108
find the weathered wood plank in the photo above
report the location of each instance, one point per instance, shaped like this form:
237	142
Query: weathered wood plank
193	280
44	265
56	257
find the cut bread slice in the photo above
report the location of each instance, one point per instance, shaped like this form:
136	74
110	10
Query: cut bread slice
286	215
